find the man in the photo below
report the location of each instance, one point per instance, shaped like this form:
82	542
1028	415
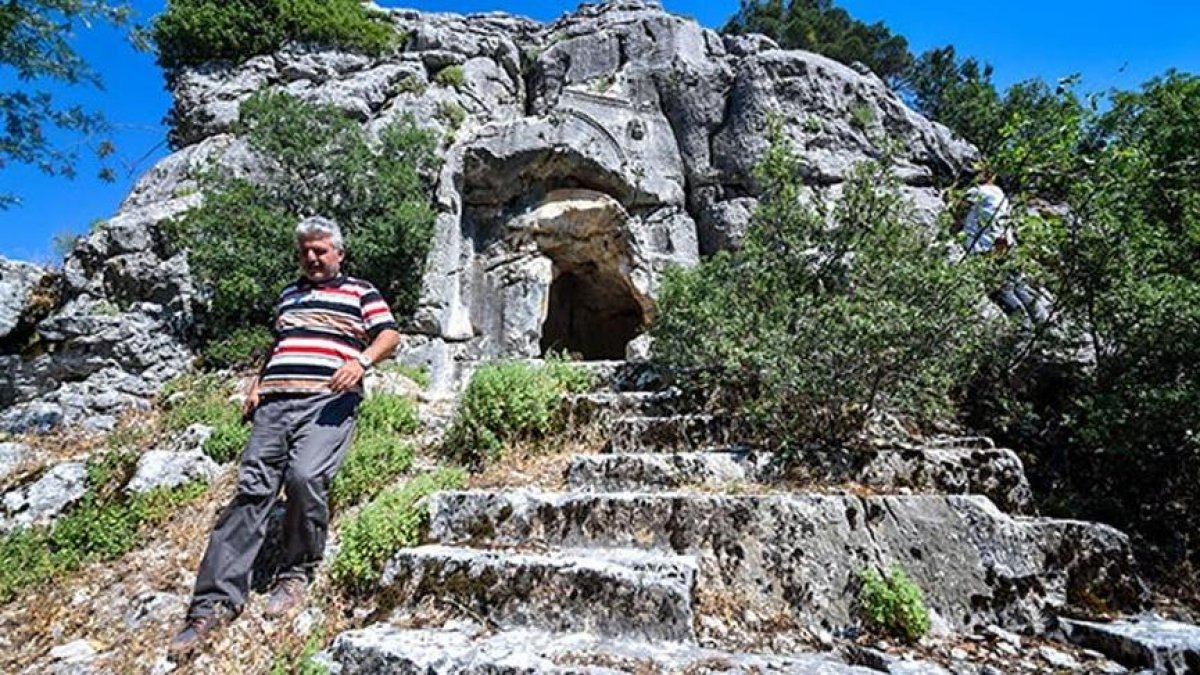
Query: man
329	330
987	229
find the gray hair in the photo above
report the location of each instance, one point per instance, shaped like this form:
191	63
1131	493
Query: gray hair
318	227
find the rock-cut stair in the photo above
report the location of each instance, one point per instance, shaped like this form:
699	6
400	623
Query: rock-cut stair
652	544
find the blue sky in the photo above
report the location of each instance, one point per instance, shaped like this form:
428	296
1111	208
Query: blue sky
1111	44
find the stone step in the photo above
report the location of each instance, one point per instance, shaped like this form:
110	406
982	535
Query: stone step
622	375
996	473
602	406
669	471
608	592
461	647
1146	642
671	433
801	554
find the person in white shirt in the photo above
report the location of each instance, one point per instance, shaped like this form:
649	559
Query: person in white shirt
987	230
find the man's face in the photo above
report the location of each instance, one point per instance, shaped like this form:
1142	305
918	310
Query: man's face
319	259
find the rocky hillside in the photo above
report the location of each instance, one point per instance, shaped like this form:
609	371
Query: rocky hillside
582	158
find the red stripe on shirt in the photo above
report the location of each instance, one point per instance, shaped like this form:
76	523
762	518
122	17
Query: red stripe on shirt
325	351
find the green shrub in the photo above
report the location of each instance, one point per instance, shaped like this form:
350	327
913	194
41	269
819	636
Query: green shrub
506	402
192	32
826	315
241	243
372	463
379	453
387	415
894	603
1105	402
204	399
245	347
391	522
25	560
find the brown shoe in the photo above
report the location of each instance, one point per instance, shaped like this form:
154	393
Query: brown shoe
288	593
194	634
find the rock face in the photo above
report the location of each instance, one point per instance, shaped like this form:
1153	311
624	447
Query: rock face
799	554
595	152
17	282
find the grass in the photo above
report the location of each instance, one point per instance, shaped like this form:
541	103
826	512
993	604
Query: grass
418	374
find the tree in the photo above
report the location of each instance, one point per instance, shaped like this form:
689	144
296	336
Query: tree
819	26
316	159
958	93
35	44
1116	430
830	312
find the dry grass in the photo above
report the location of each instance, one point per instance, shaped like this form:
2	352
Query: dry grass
541	464
96	602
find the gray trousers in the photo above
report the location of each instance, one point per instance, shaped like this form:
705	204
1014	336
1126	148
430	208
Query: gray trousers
1018	297
297	443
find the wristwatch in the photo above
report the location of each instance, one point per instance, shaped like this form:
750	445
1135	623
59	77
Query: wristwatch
364	361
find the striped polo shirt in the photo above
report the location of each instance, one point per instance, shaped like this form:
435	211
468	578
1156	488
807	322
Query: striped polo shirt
318	328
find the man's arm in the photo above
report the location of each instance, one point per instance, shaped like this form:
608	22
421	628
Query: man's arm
351	372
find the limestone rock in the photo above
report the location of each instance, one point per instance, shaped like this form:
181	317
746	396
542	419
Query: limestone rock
17	282
11	457
639	125
466	647
800	553
152	607
1164	646
44	499
172	468
610	592
457	648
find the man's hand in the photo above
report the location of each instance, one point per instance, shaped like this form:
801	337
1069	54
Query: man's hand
346	377
251	401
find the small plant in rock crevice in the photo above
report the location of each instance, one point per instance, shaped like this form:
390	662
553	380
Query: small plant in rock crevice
452	114
451	76
894	603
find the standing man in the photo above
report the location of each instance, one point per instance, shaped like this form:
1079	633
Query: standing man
329	330
987	229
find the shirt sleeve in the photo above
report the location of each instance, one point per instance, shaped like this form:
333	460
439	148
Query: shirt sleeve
377	316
